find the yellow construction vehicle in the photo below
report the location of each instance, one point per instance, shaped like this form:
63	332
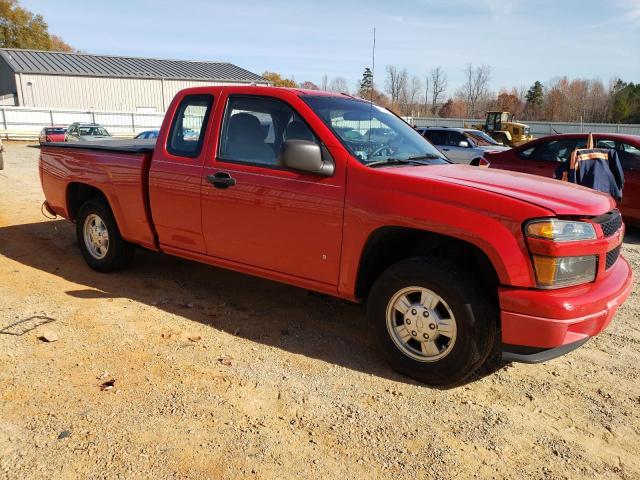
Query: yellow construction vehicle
503	129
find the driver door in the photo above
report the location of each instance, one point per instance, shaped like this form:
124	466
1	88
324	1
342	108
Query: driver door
262	215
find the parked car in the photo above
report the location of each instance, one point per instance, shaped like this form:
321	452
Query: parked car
52	134
147	134
79	132
454	262
543	155
461	145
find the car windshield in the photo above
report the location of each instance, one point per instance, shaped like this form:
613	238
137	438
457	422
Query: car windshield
481	139
93	131
373	134
55	130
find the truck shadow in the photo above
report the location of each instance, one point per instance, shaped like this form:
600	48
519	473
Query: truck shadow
273	314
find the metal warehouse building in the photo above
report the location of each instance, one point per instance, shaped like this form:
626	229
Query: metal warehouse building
33	78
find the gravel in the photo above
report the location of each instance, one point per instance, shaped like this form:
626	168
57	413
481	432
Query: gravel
220	375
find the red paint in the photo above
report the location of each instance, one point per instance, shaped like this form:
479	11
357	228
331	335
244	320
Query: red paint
311	231
511	160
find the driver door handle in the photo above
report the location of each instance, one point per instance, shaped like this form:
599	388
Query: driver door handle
221	180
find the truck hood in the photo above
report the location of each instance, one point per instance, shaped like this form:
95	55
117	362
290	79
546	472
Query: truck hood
560	197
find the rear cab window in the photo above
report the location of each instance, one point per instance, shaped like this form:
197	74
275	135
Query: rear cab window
189	125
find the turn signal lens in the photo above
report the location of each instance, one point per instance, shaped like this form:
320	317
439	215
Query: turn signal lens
560	230
557	272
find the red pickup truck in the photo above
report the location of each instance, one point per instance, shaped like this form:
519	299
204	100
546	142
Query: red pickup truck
337	195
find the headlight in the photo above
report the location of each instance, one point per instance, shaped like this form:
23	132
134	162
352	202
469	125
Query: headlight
560	230
558	272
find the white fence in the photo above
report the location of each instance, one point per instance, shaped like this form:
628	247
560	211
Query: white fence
25	123
21	123
538	129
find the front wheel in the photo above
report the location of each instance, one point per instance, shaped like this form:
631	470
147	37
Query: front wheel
101	244
432	321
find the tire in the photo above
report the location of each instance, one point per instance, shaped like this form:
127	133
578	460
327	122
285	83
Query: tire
95	218
502	138
460	322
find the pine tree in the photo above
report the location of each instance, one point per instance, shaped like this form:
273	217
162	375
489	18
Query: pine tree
535	94
366	84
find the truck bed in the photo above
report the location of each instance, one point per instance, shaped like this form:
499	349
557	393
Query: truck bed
119	169
123	146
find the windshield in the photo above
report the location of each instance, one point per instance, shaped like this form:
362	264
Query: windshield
372	133
481	139
93	131
55	130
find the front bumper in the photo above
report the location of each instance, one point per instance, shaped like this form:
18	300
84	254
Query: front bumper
557	321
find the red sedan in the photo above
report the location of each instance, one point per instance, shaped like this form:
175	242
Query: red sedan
541	157
52	134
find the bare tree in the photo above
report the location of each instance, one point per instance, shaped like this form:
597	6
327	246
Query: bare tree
324	84
413	91
339	85
396	84
427	81
439	85
475	87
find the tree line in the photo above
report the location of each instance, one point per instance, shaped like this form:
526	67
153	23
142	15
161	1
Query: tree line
20	28
561	99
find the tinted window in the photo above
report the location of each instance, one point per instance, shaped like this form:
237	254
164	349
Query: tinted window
628	154
454	138
255	128
437	137
55	130
189	124
554	151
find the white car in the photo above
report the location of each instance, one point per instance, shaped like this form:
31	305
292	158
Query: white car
461	145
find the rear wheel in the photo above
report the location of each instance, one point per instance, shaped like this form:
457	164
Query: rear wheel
431	320
101	244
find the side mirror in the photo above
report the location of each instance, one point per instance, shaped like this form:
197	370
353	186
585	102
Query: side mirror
463	144
306	156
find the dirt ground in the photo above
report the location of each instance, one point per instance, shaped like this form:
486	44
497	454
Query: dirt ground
219	375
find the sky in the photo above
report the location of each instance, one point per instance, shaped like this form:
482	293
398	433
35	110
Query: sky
523	41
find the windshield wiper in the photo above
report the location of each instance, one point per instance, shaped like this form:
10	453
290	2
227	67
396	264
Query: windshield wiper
426	156
394	161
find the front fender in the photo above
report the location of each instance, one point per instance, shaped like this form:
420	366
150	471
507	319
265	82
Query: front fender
487	220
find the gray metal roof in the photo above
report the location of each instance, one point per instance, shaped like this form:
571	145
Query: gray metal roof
59	63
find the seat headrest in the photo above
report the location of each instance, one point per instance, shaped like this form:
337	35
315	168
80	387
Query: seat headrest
244	127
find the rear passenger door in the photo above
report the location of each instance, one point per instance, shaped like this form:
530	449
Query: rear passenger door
454	151
256	213
175	175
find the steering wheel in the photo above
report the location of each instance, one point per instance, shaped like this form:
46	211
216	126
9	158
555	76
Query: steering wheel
380	151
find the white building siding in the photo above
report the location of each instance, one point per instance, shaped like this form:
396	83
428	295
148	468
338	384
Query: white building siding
100	93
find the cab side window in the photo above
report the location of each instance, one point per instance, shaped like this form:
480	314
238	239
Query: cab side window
255	128
189	125
436	137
